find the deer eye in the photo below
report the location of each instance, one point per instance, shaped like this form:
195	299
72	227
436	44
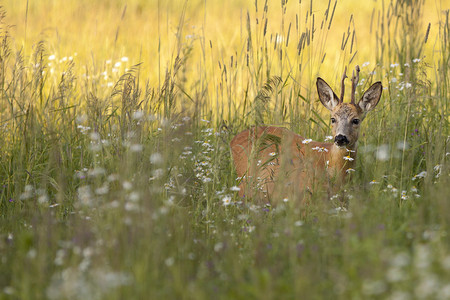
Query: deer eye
333	120
355	121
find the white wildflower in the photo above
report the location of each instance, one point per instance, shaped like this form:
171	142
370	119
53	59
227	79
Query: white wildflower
113	177
103	190
81	119
156	158
59	259
226	200
404	196
206	179
95	136
235	188
437	170
136	148
402	145
85	195
400	260
427	287
32	253
422	257
250	228
97	171
131	206
28	193
422	174
218	246
43	199
400	295
298	223
320	149
446	263
373	287
127	185
382	153
340	208
444	292
169	261
395	274
137	115
134	196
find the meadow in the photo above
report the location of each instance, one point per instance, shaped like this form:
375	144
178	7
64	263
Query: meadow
116	173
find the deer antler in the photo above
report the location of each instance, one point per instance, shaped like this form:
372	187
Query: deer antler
343	86
355	79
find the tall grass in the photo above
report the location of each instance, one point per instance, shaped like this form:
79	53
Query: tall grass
118	185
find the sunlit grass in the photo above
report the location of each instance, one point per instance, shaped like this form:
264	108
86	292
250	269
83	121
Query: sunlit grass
117	179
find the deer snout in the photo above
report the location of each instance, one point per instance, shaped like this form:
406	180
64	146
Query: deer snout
341	140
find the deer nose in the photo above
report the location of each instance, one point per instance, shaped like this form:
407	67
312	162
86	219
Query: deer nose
341	140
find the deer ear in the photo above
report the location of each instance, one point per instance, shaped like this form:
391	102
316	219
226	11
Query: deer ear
371	97
326	94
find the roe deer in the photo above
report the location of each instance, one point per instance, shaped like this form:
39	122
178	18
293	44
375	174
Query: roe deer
274	162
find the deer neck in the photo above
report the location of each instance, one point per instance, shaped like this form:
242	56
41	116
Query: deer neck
341	159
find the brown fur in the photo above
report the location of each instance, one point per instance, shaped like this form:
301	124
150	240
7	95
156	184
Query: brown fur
274	163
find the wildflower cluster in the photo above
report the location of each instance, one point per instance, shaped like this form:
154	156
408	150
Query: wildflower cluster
202	162
417	266
320	149
397	79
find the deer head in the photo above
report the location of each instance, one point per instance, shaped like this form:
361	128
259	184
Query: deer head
346	118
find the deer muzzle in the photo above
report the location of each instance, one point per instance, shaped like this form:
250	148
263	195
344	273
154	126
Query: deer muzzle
341	140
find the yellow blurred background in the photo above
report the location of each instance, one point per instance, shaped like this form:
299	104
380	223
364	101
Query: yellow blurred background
104	37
